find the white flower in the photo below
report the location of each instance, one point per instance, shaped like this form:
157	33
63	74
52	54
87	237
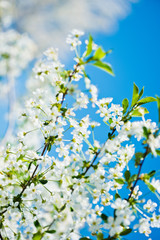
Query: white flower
94	222
156	184
120	204
143	226
136	193
154	143
150	206
155	221
52	53
73	38
81	101
113	225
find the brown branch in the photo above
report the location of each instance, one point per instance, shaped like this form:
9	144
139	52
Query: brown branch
3	211
33	174
97	154
139	172
70	78
45	147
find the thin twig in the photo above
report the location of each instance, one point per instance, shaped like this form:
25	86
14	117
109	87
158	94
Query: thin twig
139	172
97	154
70	78
33	174
45	146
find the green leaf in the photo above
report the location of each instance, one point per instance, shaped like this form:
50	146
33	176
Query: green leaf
139	112
62	208
49	146
37	224
38	236
110	120
99	54
152	173
120	180
104	217
146	132
100	236
158	104
125	104
135	94
43	181
18	236
5	55
151	187
117	196
133	178
55	207
104	66
141	93
127	175
89	46
51	231
125	232
138	158
158	152
146	100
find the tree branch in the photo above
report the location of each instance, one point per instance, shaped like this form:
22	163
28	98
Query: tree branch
139	172
45	146
97	154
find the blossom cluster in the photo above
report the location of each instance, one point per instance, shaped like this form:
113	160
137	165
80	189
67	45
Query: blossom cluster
73	179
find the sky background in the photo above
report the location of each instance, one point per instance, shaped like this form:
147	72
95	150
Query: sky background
135	58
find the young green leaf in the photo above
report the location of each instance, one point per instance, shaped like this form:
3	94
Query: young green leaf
141	93
99	54
89	46
127	175
151	187
37	236
100	236
125	232
104	66
138	158
158	152
135	94
18	236
37	224
50	231
146	132
133	178
117	196
152	173
120	180
104	217
146	100
125	104
43	181
139	112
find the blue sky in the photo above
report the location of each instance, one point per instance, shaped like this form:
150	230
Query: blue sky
136	51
